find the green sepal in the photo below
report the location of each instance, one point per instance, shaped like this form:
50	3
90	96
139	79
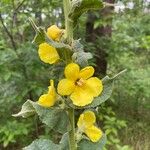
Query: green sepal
53	117
42	144
81	6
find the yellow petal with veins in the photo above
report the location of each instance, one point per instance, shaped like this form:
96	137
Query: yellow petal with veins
72	71
47	53
94	85
86	119
93	133
81	97
86	72
65	87
54	32
49	99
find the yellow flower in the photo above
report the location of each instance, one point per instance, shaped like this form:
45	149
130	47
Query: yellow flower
48	100
79	84
86	124
54	32
47	53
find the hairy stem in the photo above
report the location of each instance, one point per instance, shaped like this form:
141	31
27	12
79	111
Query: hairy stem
69	37
68	23
72	142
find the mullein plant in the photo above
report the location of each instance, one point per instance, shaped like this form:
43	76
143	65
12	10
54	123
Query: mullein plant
79	89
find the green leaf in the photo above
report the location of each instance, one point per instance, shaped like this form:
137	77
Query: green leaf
42	144
81	6
26	110
53	117
77	46
64	143
80	57
85	144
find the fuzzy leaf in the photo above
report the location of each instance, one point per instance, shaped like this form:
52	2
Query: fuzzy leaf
77	46
81	58
81	6
53	117
85	144
26	110
64	143
42	144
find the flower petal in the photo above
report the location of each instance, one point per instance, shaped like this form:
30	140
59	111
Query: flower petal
47	53
46	100
54	32
72	71
80	97
65	87
93	133
94	86
86	72
89	118
86	119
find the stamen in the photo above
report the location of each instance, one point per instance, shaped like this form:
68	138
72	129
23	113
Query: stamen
80	82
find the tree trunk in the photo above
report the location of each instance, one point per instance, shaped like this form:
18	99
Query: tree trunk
100	32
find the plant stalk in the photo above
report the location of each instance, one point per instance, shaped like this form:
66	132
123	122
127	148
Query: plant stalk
69	37
68	23
72	142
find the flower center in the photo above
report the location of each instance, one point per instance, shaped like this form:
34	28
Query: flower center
80	82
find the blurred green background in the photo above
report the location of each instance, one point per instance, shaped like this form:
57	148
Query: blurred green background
118	38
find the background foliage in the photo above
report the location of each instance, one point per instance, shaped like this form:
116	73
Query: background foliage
125	118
